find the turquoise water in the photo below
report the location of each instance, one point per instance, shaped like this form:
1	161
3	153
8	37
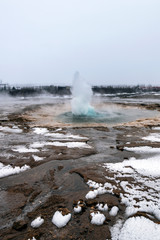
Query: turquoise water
91	117
120	115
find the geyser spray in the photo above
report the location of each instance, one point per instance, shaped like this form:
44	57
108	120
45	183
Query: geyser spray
81	96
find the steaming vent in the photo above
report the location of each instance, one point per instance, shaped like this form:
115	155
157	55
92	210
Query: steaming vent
81	97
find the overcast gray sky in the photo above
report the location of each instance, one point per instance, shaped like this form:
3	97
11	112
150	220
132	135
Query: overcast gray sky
109	42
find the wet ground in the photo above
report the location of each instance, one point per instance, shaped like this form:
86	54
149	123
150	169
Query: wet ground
31	135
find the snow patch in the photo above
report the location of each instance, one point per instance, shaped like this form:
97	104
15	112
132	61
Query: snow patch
66	136
37	158
77	209
156	128
153	137
99	189
9	170
102	207
146	167
37	222
71	144
94	184
94	193
145	185
14	129
44	131
97	218
57	144
23	149
59	220
144	149
37	145
139	228
38	130
114	211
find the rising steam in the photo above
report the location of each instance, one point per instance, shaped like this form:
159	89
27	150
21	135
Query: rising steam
81	96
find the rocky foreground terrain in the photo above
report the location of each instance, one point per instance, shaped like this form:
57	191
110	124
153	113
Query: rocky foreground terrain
79	171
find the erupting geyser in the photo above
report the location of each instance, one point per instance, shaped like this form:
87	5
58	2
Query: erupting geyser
105	113
81	97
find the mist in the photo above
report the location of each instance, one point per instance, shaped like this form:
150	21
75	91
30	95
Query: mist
81	96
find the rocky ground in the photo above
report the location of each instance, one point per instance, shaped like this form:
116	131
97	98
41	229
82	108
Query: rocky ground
58	175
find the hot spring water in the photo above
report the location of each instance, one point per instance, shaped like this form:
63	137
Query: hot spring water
83	112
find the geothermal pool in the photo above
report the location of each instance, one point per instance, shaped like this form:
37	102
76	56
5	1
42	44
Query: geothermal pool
57	111
84	110
110	114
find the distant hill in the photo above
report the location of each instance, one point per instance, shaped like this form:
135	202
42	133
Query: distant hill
66	90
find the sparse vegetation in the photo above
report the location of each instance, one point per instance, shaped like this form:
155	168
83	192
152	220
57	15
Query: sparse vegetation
66	90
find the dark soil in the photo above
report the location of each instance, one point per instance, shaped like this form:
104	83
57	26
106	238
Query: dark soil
59	181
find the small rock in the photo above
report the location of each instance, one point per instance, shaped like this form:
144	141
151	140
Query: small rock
60	167
112	147
19	225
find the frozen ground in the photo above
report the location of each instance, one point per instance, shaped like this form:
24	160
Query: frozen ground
59	182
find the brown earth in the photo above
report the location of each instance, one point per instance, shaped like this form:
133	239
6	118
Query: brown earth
59	180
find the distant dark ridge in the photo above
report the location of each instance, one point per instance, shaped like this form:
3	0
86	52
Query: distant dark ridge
36	90
66	90
124	89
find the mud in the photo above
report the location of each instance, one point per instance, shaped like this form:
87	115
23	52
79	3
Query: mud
59	180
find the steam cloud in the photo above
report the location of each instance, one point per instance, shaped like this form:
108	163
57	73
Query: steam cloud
81	96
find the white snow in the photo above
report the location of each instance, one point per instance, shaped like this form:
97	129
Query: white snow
114	211
56	135
37	158
14	129
115	230
59	220
136	228
58	129
32	238
38	130
37	145
92	194
71	144
99	189
94	184
145	185
146	167
102	207
6	155
139	194
69	135
37	222
143	149
77	209
97	218
66	136
7	170
153	137
23	149
156	128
